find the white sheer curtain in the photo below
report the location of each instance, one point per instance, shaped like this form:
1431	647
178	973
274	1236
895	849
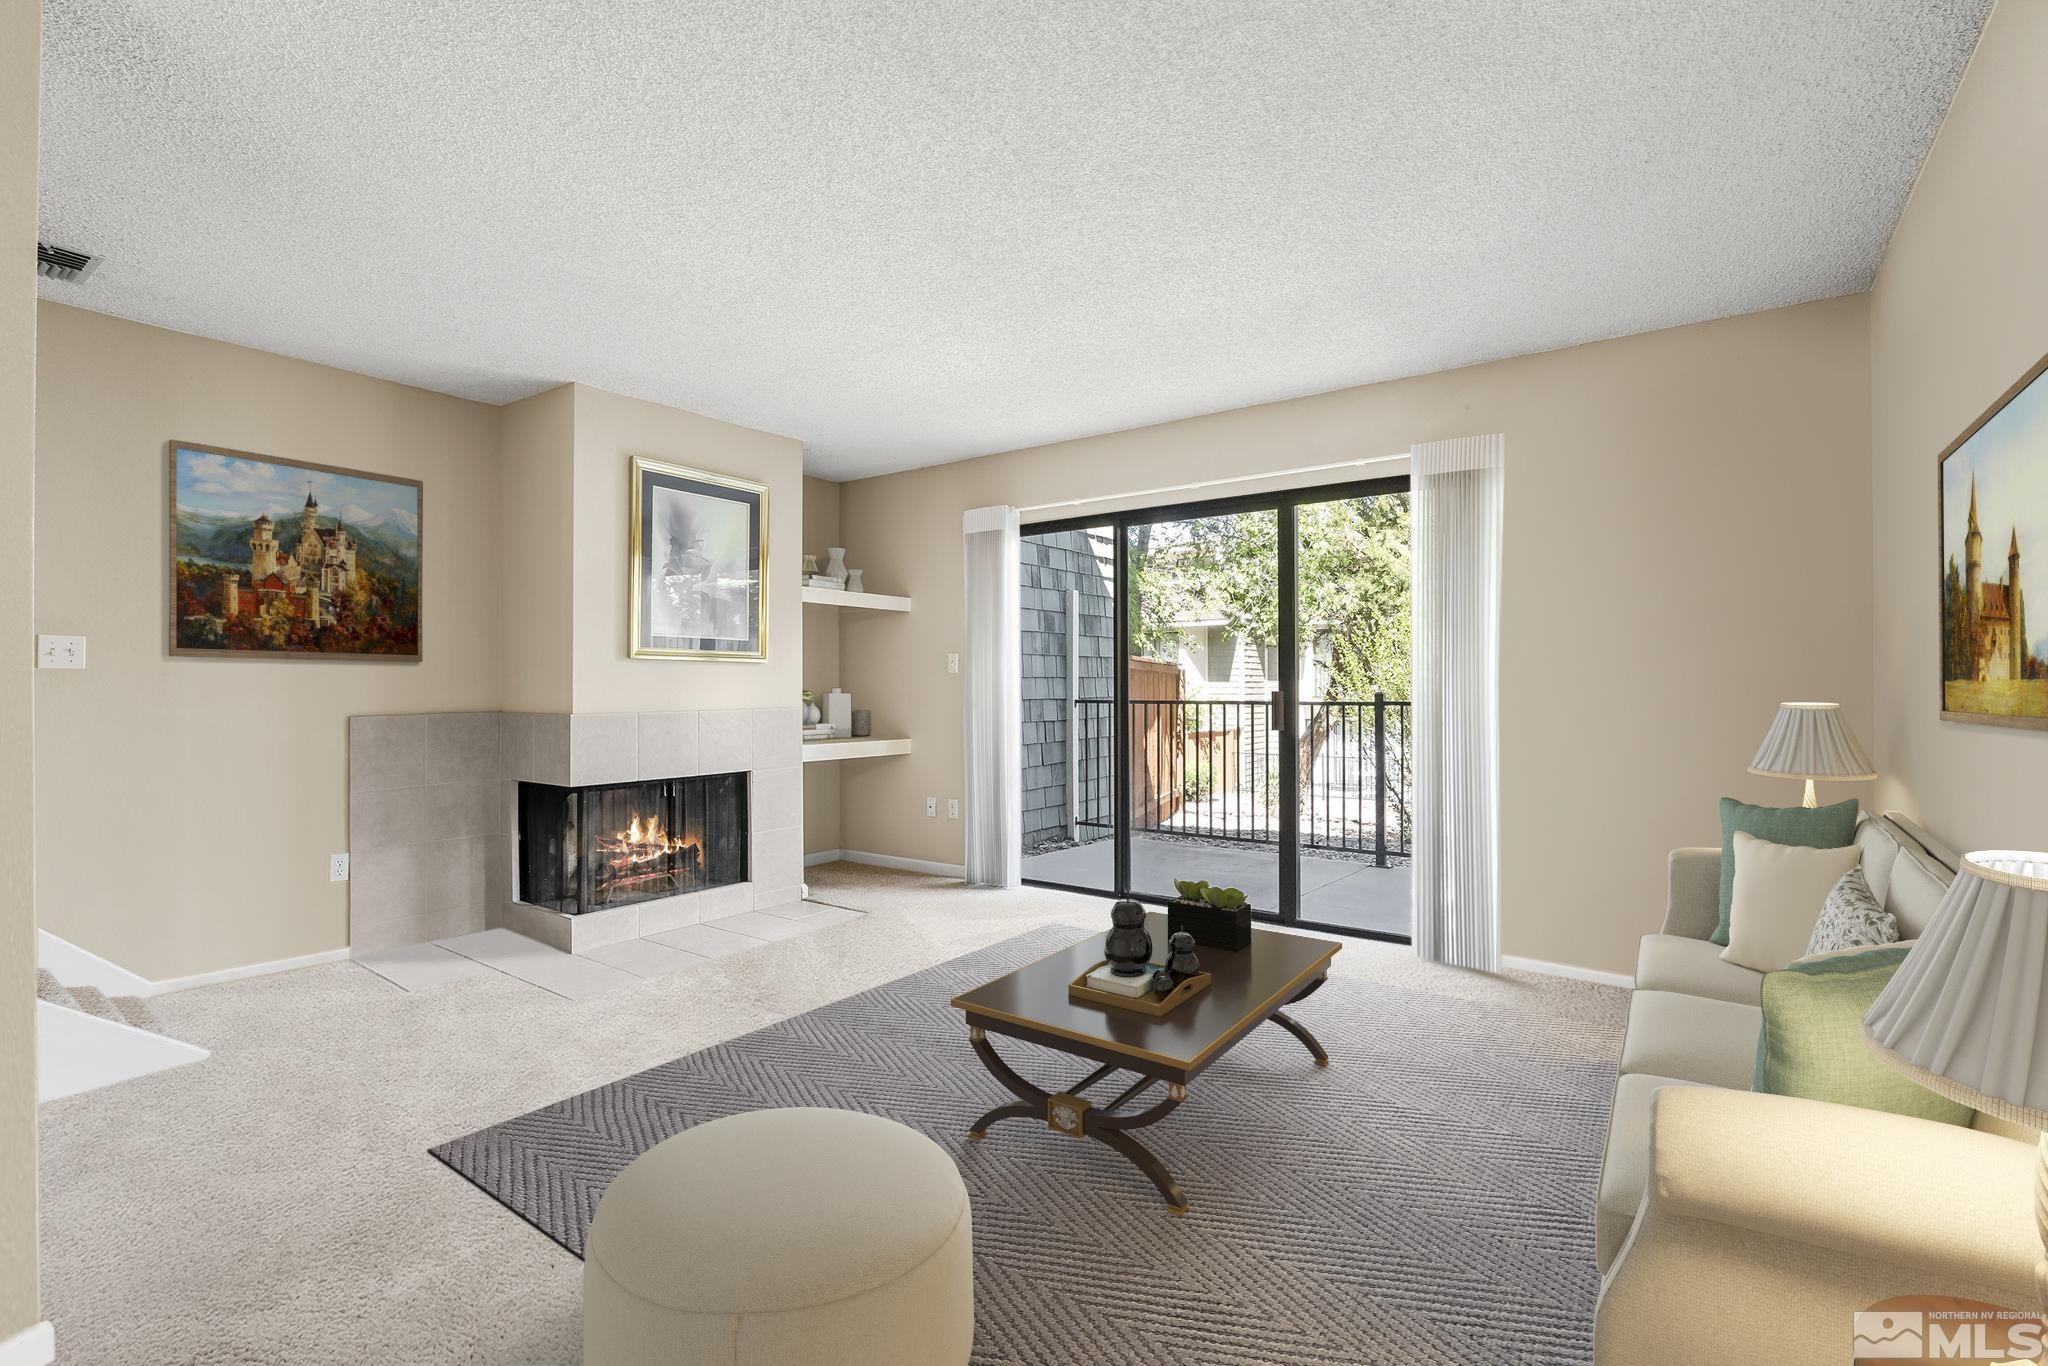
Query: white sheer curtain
1455	548
995	736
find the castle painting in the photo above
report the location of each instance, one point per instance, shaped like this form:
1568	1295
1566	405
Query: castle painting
278	558
1994	509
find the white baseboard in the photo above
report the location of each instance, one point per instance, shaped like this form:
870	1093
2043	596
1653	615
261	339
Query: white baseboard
204	979
823	856
79	1052
908	865
76	967
36	1346
1577	974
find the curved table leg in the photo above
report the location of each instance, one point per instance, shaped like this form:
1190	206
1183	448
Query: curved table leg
1106	1128
1018	1110
1110	1129
1141	1157
1309	1041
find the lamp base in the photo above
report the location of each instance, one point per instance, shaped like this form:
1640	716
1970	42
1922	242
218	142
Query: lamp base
1811	800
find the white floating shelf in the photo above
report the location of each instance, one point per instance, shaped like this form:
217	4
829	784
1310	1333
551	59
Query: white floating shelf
839	597
867	747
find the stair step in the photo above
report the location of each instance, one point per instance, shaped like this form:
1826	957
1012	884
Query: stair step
48	988
134	1011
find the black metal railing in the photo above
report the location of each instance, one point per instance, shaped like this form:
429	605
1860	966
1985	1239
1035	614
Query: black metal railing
1212	769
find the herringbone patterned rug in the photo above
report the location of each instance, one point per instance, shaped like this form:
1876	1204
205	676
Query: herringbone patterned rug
1427	1198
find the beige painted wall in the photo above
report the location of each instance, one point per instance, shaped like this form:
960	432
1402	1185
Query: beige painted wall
610	430
536	458
222	783
821	666
1687	545
1959	312
20	53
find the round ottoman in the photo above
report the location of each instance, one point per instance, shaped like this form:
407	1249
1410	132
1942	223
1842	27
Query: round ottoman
783	1238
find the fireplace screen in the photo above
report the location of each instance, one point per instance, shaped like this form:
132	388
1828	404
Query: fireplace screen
589	848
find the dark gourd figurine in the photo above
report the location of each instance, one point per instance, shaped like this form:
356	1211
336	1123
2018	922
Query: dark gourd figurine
1127	947
1181	962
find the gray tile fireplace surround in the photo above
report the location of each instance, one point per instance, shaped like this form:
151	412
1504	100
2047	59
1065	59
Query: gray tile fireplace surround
432	820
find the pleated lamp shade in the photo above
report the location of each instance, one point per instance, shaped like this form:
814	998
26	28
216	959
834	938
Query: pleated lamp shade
1966	1014
1808	740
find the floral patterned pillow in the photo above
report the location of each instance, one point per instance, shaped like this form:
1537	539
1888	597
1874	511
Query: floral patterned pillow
1851	918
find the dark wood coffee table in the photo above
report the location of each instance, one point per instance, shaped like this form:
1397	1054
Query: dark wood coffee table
1248	987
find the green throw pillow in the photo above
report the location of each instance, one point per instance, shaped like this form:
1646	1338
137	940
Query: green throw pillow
1812	1041
1818	827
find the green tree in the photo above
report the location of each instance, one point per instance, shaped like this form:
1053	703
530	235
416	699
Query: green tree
1352	592
1958	653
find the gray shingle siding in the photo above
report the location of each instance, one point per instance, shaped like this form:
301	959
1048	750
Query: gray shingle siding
1051	567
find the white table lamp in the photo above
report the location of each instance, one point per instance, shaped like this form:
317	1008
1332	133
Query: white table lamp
1808	740
1966	1014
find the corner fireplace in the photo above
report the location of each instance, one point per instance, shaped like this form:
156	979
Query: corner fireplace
587	849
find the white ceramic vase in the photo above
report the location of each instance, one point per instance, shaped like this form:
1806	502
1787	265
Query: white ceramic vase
835	564
853	581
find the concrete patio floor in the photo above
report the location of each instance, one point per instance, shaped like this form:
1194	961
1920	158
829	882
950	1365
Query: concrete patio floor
1334	891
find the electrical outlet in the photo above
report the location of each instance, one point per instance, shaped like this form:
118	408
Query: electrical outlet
952	808
931	806
337	867
60	652
952	664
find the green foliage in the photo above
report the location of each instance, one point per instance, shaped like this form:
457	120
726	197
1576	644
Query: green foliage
1352	586
1958	651
1222	898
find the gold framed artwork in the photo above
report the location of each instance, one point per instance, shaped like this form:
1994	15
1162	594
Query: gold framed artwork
284	559
1992	497
699	557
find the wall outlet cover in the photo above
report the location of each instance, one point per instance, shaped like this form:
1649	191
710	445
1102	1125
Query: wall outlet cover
337	867
931	806
952	808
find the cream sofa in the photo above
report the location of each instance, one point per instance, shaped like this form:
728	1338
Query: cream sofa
1797	1211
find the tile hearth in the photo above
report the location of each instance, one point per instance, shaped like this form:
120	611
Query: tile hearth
578	977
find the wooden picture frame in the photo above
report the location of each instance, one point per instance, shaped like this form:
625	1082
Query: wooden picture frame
697	564
261	568
1990	672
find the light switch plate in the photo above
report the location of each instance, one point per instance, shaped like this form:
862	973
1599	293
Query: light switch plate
952	664
60	652
952	808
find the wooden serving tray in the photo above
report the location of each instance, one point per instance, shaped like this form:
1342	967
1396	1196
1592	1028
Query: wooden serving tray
1148	1004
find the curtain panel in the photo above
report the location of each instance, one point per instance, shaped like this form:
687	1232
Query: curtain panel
1455	547
994	721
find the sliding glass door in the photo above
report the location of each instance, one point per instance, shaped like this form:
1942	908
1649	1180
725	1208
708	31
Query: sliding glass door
1218	692
1352	713
1202	684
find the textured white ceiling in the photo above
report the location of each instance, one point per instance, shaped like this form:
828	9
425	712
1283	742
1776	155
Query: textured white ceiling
909	232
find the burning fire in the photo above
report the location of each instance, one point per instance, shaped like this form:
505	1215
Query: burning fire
643	841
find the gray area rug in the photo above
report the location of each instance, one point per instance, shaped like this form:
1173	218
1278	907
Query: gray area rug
1426	1198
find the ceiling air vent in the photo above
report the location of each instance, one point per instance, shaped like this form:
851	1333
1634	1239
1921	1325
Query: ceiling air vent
62	263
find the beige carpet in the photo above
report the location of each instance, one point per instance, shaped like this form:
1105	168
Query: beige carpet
276	1203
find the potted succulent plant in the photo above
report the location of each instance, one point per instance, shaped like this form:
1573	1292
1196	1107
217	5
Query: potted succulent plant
1218	917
